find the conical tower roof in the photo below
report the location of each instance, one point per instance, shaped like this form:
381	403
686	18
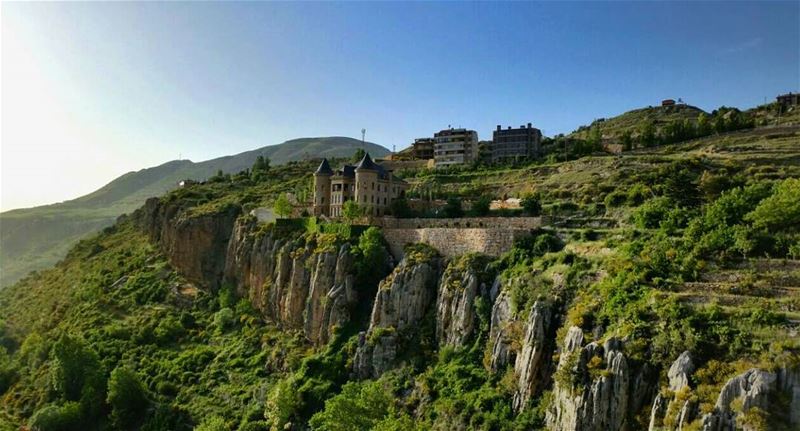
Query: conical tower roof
324	168
367	163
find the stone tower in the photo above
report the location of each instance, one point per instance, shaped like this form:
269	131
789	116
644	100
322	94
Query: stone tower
367	183
322	189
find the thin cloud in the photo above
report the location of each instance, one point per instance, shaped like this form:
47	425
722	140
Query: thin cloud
743	46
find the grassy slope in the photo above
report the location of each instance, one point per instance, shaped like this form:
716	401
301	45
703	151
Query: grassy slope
631	120
36	238
764	152
202	371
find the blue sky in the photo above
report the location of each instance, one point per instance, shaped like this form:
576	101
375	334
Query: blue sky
93	90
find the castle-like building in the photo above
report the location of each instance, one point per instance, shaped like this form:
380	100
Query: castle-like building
368	183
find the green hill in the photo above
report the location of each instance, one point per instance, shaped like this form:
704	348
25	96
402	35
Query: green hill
690	247
36	238
631	121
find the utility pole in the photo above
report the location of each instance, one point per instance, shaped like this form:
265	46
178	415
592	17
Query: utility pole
363	134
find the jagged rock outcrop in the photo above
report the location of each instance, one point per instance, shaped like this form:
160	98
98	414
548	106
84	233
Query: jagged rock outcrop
683	410
288	280
593	387
293	284
532	366
755	388
250	261
401	303
331	296
455	304
680	371
195	244
501	333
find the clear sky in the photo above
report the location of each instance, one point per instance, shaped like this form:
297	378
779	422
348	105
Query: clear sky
93	90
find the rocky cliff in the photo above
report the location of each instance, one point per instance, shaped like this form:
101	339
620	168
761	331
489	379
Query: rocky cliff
304	283
402	301
291	281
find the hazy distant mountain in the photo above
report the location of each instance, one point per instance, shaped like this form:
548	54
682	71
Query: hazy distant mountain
36	238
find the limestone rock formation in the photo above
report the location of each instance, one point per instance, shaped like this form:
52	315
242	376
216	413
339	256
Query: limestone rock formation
331	294
194	244
289	281
501	333
754	388
679	372
455	307
401	303
588	397
532	366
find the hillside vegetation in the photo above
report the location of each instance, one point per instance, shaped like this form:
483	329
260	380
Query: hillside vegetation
690	248
36	238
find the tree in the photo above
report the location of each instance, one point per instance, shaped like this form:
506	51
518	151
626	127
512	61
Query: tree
399	208
74	366
371	261
703	128
647	133
351	210
781	210
127	398
57	418
531	205
626	140
282	207
260	167
453	208
360	406
481	206
358	155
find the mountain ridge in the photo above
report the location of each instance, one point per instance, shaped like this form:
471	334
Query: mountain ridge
37	237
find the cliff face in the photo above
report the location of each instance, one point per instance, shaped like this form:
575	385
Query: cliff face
288	281
194	245
401	303
304	286
593	386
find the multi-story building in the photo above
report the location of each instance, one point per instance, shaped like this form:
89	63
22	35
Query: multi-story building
422	148
516	144
368	183
455	147
787	100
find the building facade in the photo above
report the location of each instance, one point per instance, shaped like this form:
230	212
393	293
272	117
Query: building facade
422	148
368	183
789	99
515	144
455	147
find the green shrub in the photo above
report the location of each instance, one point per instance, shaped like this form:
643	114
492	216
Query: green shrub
7	371
213	423
531	205
227	296
169	329
653	213
481	206
76	369
452	208
400	209
127	398
57	418
637	194
781	210
615	199
371	258
224	319
360	406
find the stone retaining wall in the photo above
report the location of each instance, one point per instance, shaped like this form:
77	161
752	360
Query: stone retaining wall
453	242
526	223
